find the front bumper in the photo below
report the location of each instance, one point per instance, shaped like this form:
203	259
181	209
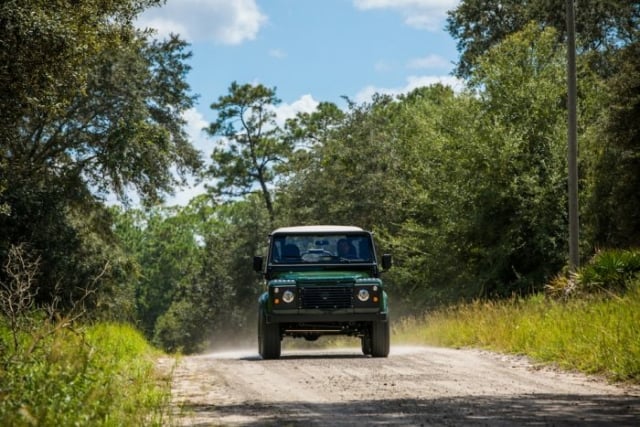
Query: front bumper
325	317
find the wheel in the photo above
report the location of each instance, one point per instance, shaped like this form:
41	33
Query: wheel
380	339
268	338
366	344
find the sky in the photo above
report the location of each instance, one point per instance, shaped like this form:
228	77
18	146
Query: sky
308	50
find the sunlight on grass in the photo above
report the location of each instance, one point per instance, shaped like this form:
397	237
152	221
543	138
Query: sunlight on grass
98	375
594	335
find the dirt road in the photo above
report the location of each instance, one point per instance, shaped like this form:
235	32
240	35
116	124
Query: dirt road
414	386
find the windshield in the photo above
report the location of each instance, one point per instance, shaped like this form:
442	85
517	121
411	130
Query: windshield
321	248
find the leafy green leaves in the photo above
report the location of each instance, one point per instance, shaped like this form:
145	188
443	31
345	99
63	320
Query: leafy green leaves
478	25
88	106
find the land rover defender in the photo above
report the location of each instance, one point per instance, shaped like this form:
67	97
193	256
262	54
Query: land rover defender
322	280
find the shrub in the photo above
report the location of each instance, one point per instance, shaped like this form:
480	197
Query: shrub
64	374
608	272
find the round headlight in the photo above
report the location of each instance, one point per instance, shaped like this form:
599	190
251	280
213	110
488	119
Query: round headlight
288	296
363	295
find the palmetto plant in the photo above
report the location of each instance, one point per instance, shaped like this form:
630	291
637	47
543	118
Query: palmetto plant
609	270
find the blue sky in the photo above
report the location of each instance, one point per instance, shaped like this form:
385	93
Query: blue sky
309	50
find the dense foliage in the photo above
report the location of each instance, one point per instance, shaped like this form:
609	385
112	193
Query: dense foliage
603	26
467	189
89	105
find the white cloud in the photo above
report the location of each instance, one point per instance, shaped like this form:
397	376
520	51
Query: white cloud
220	21
422	14
195	129
277	53
430	61
306	104
413	82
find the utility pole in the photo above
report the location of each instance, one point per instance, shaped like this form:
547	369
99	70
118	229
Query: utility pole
574	255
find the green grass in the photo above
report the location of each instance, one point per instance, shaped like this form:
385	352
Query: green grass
597	334
99	375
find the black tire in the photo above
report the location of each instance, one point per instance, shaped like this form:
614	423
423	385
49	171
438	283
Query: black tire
366	344
268	338
380	342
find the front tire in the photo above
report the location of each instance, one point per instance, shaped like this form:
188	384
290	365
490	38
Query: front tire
268	338
380	342
366	344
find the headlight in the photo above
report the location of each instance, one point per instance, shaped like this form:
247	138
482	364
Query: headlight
288	296
363	295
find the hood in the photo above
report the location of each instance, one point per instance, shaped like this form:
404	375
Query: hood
329	276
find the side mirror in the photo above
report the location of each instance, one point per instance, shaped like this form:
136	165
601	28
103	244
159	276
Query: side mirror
386	261
257	263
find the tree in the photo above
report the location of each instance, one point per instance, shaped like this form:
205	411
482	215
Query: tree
163	243
344	178
118	124
252	144
484	178
607	47
614	200
602	25
88	105
314	129
437	133
216	301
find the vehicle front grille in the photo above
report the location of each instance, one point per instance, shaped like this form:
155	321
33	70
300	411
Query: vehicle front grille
326	297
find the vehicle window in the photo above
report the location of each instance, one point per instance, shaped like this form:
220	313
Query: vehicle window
325	248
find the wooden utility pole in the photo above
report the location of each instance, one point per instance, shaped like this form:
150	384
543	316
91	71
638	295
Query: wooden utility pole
574	254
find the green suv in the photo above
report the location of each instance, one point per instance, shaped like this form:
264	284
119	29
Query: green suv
322	280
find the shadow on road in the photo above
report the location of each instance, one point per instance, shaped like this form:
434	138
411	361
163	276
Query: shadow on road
307	357
527	410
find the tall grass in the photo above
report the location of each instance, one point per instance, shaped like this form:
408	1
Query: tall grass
60	375
594	333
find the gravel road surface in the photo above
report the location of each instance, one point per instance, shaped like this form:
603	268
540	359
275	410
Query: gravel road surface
415	386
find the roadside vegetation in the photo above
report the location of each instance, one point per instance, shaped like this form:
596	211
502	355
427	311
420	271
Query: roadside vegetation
61	367
589	321
60	373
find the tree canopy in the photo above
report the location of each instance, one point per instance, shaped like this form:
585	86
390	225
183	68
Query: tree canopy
90	106
602	25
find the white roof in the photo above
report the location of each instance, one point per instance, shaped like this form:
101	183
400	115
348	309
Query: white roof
318	229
